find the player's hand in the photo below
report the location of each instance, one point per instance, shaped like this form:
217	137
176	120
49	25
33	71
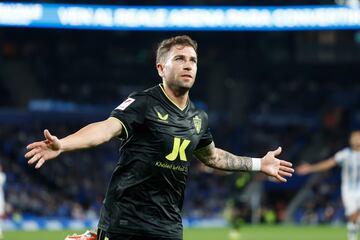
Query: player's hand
275	167
40	152
303	169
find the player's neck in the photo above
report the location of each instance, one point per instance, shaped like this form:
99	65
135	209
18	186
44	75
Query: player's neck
179	98
356	149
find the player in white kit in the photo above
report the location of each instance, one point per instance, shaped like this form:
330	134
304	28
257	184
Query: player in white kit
349	160
2	199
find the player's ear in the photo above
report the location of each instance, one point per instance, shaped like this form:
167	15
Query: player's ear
160	68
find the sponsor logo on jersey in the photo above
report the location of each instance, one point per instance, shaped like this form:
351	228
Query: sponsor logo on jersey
126	103
178	149
171	166
162	118
197	123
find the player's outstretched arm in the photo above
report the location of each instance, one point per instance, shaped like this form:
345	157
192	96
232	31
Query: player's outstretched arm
89	136
307	168
223	160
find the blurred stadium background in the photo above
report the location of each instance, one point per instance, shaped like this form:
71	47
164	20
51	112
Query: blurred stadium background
293	82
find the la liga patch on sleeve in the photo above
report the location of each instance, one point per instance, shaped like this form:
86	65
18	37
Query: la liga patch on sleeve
126	103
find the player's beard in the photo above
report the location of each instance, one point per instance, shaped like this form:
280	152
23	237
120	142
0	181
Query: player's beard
181	87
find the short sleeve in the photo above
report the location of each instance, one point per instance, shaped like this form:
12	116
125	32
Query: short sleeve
131	113
206	137
342	155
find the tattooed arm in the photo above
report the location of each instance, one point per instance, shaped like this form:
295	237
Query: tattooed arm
223	160
220	159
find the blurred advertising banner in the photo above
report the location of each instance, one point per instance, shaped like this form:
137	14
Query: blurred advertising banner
163	18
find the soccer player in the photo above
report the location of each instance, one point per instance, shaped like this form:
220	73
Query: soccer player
161	129
349	160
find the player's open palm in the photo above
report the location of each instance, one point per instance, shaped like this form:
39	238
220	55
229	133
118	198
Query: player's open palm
275	167
40	152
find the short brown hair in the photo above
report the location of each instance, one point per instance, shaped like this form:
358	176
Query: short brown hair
165	46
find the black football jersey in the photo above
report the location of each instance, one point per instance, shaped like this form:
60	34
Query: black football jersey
146	191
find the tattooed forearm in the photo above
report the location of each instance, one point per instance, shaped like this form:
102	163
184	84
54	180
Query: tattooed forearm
220	159
228	161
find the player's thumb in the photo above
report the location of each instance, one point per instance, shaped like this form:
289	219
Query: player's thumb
48	136
277	151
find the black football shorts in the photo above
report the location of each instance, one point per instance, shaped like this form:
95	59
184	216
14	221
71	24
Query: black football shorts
102	235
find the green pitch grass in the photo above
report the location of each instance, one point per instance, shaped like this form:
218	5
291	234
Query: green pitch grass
261	232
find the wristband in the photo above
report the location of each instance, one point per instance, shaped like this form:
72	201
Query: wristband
256	164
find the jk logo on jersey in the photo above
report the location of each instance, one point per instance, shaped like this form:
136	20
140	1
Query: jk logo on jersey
197	123
179	148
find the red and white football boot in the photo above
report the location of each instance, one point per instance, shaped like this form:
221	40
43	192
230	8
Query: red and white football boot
85	236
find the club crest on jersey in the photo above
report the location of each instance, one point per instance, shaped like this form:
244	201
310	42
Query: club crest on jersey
197	123
126	103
